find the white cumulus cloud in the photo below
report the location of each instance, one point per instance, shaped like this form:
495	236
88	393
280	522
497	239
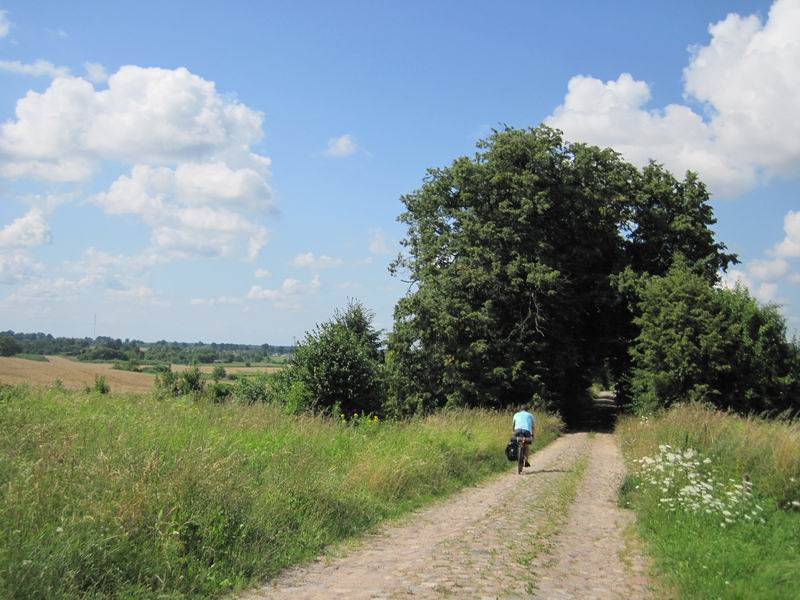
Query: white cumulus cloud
308	260
377	242
790	245
732	277
342	146
137	293
765	291
39	68
205	209
28	230
18	266
193	176
288	295
261	273
118	276
146	116
58	289
219	300
95	72
5	24
768	270
746	80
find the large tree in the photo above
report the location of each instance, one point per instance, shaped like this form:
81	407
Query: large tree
510	257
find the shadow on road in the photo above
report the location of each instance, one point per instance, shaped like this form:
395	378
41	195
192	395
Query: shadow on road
538	471
598	415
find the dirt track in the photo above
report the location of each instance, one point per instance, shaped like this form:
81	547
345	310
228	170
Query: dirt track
475	545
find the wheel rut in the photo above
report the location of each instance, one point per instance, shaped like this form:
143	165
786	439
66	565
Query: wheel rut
591	556
500	539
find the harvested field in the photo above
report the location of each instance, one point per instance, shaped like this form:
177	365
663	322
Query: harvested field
73	374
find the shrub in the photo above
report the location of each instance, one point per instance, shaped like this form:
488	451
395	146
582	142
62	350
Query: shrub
131	365
166	383
100	385
219	392
218	373
338	365
189	381
702	343
249	390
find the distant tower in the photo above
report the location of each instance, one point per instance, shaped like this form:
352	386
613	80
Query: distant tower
94	330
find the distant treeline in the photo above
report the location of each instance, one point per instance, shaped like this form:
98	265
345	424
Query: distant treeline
107	348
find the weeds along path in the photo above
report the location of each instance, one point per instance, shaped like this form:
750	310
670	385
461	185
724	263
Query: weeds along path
495	540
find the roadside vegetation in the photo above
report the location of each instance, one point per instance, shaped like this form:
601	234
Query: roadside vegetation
717	498
108	495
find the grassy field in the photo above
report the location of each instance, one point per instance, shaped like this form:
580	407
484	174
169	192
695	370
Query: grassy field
125	496
718	502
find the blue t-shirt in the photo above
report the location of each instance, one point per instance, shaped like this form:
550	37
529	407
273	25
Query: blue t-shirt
523	420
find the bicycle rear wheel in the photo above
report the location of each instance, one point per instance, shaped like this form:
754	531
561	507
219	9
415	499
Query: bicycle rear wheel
520	456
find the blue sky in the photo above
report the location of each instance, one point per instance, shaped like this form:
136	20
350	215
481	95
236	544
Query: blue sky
232	171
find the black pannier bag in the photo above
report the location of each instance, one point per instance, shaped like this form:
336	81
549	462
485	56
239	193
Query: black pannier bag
512	450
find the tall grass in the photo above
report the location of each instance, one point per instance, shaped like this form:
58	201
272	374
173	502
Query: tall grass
130	497
767	452
717	498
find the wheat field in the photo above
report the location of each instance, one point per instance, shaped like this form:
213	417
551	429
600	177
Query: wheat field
73	374
77	375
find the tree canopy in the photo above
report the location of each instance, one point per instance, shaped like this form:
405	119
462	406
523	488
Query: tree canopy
512	256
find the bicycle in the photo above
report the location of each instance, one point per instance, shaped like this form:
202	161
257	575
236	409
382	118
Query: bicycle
522	442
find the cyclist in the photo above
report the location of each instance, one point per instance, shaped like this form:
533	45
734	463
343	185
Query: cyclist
523	427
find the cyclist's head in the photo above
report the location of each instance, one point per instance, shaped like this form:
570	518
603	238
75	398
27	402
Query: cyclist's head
525	406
